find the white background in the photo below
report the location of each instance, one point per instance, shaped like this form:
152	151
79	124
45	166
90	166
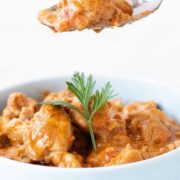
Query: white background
149	48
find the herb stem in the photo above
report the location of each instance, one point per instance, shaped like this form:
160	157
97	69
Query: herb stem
92	135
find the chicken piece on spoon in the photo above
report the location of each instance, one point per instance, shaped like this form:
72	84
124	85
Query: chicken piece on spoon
70	15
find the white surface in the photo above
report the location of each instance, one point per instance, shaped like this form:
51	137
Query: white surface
148	48
165	167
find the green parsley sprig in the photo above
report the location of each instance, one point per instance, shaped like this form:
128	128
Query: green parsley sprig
83	89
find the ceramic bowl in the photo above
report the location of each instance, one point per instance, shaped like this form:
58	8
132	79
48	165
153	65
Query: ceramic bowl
165	167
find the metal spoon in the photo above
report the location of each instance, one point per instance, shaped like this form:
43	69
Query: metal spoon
141	8
144	7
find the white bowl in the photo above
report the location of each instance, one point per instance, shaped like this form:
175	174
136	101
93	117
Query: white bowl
165	167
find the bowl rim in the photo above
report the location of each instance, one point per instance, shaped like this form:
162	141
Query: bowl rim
149	162
158	83
93	169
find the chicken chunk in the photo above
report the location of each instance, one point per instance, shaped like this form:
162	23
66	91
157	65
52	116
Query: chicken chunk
16	116
16	129
19	106
114	156
13	124
69	15
49	131
145	126
64	159
173	145
127	155
16	152
102	157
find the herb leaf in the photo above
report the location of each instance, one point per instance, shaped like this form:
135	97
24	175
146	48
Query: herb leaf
83	89
63	104
101	97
